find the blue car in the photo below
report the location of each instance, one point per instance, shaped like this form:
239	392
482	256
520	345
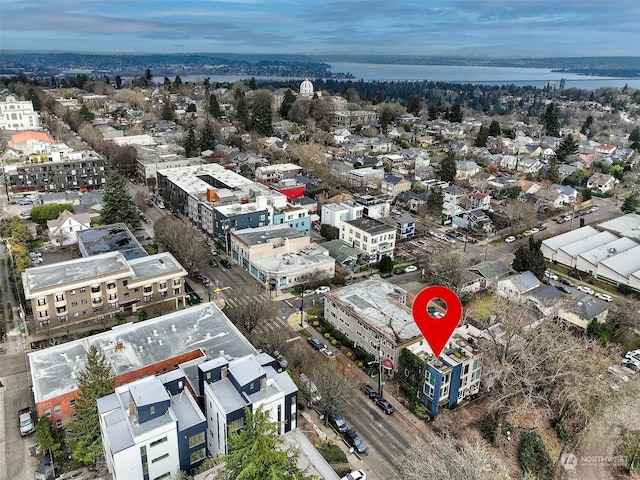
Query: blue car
338	422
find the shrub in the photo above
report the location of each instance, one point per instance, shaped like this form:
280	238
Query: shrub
333	454
327	335
334	341
349	354
360	364
316	323
534	458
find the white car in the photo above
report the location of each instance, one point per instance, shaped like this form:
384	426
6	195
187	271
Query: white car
550	275
438	314
633	355
534	230
307	293
584	289
322	290
510	239
604	296
355	475
411	268
327	353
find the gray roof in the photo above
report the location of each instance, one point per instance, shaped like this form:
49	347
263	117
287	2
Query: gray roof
110	238
584	245
246	370
186	410
625	263
225	392
256	236
491	269
598	254
555	243
523	281
588	307
148	394
371	225
372	301
54	370
340	250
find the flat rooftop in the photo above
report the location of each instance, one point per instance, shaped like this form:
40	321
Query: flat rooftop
620	224
371	225
189	178
54	370
576	248
559	241
625	263
256	236
110	238
372	300
313	255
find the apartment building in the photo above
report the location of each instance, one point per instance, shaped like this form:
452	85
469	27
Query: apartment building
18	115
371	236
374	315
100	286
152	428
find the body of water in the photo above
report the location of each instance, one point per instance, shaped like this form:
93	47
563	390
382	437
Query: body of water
537	77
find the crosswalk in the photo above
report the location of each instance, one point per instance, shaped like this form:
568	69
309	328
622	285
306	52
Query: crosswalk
272	323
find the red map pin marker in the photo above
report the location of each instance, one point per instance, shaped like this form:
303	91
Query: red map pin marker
437	331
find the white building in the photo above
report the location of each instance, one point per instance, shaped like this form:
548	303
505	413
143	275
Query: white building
152	428
333	214
18	115
371	236
62	230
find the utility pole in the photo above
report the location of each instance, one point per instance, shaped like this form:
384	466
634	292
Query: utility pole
380	382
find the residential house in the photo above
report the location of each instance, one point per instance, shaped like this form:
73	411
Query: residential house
517	286
334	214
345	255
583	309
274	173
467	169
406	225
365	177
606	150
62	230
393	185
490	271
529	165
478	221
569	194
601	182
374	207
411	201
371	236
453	196
475	199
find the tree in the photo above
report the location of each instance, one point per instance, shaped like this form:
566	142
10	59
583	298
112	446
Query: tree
207	137
413	105
586	126
586	194
47	438
148	76
481	138
455	113
252	84
250	312
518	215
550	121
334	388
494	128
631	204
261	116
256	452
206	83
242	109
119	206
435	200
183	240
445	459
568	146
86	114
530	258
432	111
118	82
177	84
329	232
168	112
42	213
553	173
634	139
214	106
83	432
190	143
386	264
448	167
287	103
386	117
448	269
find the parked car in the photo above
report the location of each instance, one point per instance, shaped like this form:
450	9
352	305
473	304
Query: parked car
399	271
368	390
323	289
385	275
584	289
337	421
561	220
563	288
315	343
354	440
633	355
437	314
550	275
510	239
355	475
311	389
567	282
542	227
307	293
631	364
282	361
350	281
411	268
213	263
327	353
225	263
384	405
527	233
534	230
604	296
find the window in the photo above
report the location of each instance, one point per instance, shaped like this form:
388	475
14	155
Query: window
176	291
236	425
83	290
125	283
97	300
56	409
72	292
147	289
143	451
83	301
41	301
61	309
158	442
161	457
148	298
196	439
112	296
60	297
196	456
63	318
58	424
74	304
72	403
44	313
111	285
163	476
95	289
152	409
47	412
162	285
176	282
44	323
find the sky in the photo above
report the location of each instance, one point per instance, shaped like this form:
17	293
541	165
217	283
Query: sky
511	29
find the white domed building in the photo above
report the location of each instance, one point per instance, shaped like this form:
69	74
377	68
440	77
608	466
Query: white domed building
306	89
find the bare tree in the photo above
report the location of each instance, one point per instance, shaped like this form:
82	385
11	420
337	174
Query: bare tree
334	386
448	269
183	240
519	215
445	459
271	337
540	368
248	311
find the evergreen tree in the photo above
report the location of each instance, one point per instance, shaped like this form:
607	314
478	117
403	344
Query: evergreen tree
634	139
413	105
386	117
386	264
118	202
252	84
550	120
379	97
214	107
255	453
483	135
530	258
586	126
553	173
242	109
47	438
35	100
432	111
190	143
118	82
148	76
435	200
287	103
83	432
206	83
567	147
586	194
168	113
261	116
177	84
494	128
455	113
86	113
207	137
448	167
631	204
